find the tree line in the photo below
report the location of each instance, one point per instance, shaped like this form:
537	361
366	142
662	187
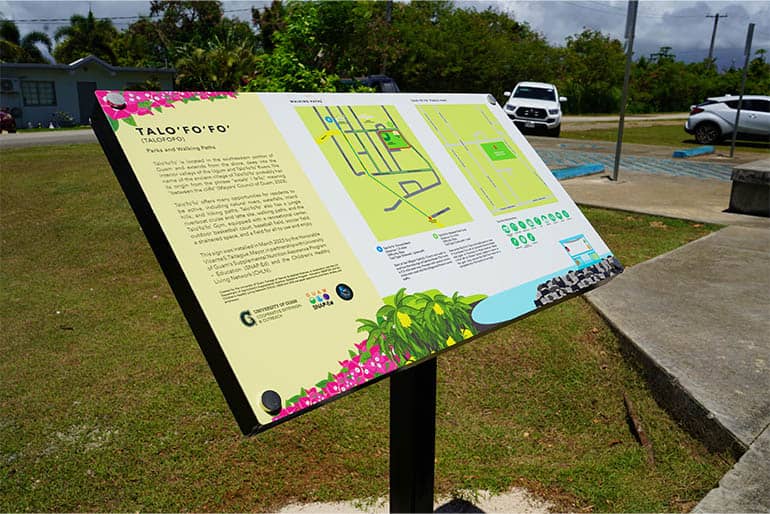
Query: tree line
424	46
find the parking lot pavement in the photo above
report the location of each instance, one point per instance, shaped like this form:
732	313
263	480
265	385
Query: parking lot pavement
563	158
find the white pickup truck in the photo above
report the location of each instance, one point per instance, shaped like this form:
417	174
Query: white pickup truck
535	106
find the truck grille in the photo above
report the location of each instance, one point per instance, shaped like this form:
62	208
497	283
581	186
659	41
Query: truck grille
531	112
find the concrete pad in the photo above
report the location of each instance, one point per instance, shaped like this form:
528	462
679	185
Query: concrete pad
700	316
517	500
755	172
745	487
676	197
751	189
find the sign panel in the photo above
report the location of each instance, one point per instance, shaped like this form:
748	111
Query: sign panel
319	242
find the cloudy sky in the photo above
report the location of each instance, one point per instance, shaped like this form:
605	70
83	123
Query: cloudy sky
682	25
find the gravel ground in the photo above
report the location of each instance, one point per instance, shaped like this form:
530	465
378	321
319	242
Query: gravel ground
517	500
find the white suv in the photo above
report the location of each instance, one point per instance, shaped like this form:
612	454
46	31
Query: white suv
714	120
535	105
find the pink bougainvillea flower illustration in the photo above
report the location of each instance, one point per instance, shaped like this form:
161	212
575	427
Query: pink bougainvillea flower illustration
119	105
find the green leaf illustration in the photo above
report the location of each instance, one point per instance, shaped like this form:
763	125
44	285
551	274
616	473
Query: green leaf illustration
114	124
130	120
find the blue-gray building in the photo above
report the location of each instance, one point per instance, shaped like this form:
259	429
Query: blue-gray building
36	92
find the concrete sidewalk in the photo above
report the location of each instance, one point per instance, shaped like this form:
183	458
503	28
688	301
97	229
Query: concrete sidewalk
698	321
676	197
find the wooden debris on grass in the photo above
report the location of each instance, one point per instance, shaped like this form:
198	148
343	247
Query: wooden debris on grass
638	430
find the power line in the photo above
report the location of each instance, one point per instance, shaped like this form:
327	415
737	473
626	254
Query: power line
55	21
620	10
583	6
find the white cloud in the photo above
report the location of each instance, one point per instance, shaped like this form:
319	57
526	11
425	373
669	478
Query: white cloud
681	25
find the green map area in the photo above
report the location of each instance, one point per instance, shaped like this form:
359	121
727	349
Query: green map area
498	171
386	172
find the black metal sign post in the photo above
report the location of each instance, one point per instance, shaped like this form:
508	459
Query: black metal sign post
413	438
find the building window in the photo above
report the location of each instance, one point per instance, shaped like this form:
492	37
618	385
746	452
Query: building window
38	93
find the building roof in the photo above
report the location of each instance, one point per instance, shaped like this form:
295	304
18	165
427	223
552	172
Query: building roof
90	59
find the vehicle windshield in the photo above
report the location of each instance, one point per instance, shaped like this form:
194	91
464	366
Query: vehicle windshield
536	93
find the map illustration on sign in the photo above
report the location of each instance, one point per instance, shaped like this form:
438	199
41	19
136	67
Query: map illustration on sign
495	167
384	169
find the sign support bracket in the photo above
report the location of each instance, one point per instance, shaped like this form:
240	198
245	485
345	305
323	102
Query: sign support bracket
413	437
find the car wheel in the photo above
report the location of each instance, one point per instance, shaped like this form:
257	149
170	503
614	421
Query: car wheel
707	133
554	132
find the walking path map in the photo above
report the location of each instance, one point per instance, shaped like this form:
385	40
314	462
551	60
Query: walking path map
384	168
317	243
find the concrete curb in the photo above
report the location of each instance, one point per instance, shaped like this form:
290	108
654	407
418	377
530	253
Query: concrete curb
674	398
578	171
666	388
742	489
696	332
692	152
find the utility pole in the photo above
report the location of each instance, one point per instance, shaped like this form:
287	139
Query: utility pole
714	32
747	53
630	32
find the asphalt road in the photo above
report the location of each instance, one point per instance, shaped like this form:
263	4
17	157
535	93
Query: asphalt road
52	137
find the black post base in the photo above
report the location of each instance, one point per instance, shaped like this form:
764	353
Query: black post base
412	438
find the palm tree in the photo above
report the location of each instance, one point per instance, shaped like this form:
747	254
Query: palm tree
83	36
14	48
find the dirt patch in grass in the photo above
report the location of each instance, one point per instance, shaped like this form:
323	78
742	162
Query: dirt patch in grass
144	427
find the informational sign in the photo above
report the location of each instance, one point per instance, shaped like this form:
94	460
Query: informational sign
319	242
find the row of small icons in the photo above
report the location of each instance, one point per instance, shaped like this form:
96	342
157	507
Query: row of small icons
545	219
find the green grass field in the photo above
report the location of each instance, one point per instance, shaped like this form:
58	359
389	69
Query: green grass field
108	405
666	135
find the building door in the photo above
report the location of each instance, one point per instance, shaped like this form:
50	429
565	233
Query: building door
86	100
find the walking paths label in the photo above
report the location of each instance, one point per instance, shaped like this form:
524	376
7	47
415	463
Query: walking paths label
319	242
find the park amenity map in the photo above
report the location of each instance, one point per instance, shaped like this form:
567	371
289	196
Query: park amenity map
320	242
495	167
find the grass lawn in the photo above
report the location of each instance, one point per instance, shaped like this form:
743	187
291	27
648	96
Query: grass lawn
108	405
666	135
